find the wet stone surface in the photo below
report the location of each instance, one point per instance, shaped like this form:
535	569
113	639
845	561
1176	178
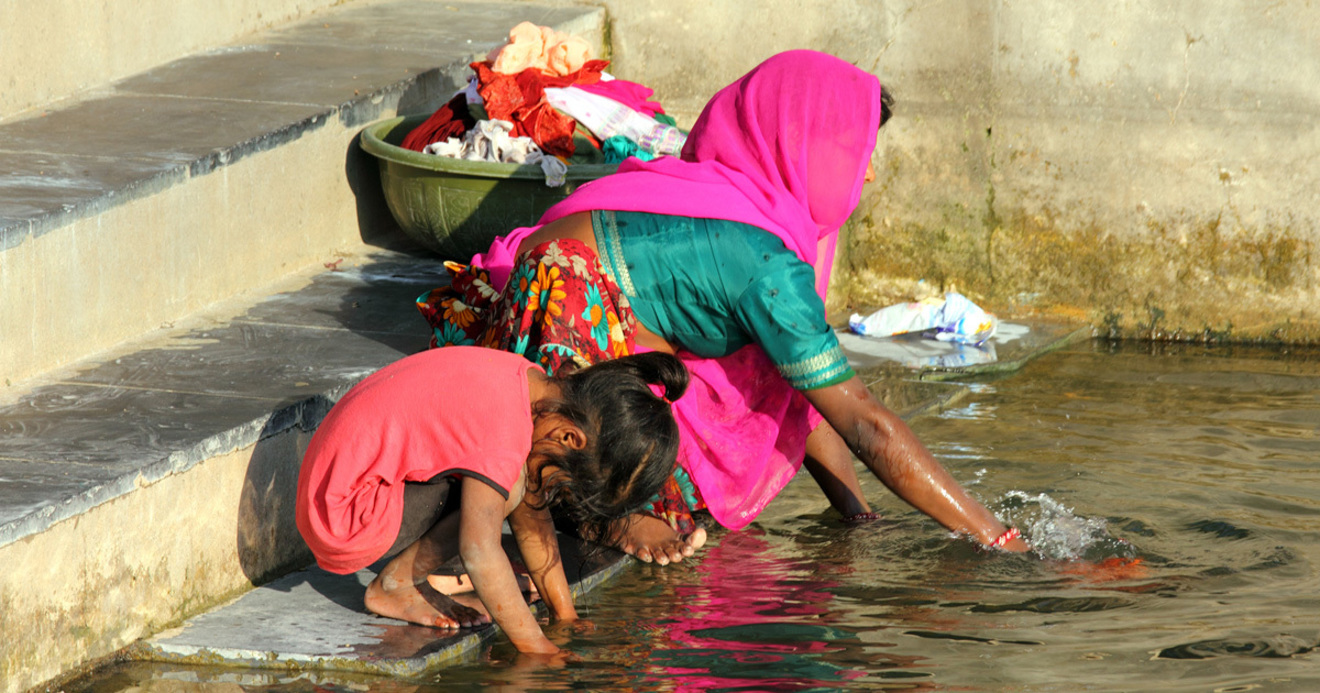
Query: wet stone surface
316	620
217	385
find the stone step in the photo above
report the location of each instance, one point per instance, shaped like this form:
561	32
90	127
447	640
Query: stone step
315	620
143	201
149	484
196	262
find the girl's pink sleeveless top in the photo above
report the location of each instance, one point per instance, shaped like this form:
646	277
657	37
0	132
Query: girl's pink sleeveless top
454	411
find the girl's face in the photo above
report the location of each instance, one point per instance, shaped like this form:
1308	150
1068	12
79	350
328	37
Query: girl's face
551	434
870	172
557	429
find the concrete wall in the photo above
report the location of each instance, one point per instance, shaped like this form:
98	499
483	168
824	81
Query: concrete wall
1150	167
54	48
133	566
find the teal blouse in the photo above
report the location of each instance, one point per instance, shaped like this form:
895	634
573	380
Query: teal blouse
715	286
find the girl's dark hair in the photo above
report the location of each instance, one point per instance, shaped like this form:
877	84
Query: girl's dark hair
886	106
632	439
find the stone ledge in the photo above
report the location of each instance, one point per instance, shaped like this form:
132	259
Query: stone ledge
205	178
143	487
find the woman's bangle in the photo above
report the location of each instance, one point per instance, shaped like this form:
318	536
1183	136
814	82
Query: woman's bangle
1009	535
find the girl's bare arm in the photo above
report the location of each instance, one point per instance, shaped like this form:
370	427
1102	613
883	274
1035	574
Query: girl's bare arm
488	565
539	545
894	454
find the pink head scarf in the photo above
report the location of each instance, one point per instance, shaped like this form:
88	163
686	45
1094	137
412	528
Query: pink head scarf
784	148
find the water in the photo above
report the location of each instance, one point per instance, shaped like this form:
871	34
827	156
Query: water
1173	495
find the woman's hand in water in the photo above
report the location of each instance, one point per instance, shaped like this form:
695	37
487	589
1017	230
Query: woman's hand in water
1018	545
1001	537
892	452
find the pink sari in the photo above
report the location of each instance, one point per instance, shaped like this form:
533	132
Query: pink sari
785	148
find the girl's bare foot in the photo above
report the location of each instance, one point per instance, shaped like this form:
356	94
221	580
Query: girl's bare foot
420	604
650	539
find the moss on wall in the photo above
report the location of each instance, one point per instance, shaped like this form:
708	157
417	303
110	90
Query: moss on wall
1184	278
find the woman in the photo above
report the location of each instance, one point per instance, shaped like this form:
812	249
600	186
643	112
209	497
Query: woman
723	258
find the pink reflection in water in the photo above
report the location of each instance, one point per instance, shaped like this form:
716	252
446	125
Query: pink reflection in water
756	621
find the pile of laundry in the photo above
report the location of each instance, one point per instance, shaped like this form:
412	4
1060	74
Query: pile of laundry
543	99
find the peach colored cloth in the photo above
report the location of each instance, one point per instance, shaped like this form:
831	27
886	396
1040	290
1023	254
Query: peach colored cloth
542	48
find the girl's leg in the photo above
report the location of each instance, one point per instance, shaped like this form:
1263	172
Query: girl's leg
429	537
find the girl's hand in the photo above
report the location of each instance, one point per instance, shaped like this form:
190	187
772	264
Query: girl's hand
570	626
581	626
538	660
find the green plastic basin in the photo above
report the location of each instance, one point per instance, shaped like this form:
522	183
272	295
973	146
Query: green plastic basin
456	207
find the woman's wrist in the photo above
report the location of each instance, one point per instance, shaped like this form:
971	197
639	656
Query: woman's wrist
1004	537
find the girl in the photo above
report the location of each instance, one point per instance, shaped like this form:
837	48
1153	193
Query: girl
432	453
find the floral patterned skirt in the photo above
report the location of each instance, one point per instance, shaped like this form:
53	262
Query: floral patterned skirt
559	309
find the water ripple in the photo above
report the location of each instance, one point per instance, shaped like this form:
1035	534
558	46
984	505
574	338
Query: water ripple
1278	646
1056	605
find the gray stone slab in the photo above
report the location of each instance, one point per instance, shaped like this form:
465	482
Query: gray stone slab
1012	345
44	183
375	296
99	443
447	30
270	364
324	75
40	191
159	129
327	335
353	52
907	372
70	445
118	428
312	619
195	114
36	490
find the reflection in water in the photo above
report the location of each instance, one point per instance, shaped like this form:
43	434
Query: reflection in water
1172	495
758	622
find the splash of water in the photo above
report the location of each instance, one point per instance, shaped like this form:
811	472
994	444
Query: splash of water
1056	533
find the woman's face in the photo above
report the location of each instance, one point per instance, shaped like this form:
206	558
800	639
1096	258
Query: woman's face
870	172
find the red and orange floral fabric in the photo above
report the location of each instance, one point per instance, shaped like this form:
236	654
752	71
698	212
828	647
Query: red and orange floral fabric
560	309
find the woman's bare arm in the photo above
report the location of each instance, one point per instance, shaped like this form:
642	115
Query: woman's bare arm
894	454
830	463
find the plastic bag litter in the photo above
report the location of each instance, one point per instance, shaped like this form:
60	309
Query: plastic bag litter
953	318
